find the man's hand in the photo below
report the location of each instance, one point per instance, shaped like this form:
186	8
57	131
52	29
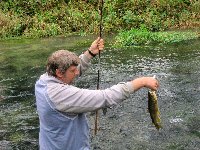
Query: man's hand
97	45
148	82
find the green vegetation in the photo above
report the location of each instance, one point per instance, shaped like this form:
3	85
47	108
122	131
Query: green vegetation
143	36
44	18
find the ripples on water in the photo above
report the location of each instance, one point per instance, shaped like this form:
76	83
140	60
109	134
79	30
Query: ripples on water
127	125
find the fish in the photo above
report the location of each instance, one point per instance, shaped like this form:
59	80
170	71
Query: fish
153	109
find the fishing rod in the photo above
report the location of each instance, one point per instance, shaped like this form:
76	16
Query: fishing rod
101	2
100	35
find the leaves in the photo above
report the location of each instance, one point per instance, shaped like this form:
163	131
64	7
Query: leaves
142	36
82	16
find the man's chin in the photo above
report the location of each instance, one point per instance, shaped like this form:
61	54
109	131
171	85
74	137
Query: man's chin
70	83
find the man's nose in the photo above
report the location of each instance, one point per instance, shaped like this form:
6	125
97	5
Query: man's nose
77	72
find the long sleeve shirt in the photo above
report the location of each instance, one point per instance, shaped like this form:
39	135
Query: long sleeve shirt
62	107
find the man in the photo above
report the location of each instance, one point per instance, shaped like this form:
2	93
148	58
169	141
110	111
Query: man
62	106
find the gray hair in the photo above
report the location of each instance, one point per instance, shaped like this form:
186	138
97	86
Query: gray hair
62	60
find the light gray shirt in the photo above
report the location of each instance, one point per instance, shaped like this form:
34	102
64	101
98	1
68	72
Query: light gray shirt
61	108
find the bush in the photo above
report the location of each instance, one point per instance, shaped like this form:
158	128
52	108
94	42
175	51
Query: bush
35	17
10	26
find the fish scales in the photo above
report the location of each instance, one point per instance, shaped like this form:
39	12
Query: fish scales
153	109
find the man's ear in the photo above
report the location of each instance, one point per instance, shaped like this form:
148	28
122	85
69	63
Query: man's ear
58	73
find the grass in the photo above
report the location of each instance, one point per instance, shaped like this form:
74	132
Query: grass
142	36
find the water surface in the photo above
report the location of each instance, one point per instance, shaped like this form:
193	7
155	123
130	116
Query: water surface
126	126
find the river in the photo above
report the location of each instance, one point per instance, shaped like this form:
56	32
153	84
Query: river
126	126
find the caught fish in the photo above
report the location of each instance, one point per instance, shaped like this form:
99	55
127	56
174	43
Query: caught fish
153	109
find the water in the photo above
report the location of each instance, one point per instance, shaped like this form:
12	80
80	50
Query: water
126	126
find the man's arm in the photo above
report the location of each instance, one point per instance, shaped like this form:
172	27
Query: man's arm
94	49
68	98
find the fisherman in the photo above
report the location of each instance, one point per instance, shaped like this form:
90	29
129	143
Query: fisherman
62	107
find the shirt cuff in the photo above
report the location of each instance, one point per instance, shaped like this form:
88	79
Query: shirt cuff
130	87
85	58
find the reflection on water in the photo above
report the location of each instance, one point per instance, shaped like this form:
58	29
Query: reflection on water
126	126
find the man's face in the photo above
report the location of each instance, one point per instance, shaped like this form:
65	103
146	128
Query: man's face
69	75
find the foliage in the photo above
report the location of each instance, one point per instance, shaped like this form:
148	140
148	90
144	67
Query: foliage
133	37
43	18
9	25
142	36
